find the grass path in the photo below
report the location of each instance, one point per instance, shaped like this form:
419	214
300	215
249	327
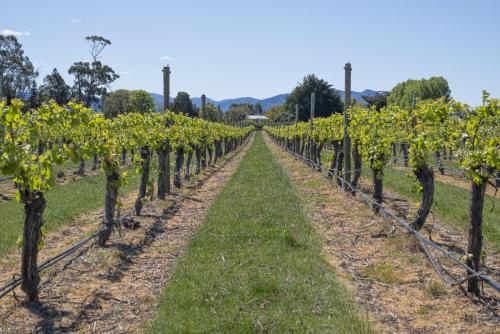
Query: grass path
255	264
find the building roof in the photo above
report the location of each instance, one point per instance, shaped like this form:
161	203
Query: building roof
257	117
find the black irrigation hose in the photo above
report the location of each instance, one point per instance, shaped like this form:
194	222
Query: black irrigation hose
423	240
4	290
47	264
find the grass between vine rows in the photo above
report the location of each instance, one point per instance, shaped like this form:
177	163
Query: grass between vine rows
64	203
255	264
451	203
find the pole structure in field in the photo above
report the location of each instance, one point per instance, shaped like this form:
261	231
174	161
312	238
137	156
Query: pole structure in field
166	87
166	104
311	143
203	106
296	113
1	86
347	140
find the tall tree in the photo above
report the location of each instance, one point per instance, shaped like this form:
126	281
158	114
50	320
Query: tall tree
116	103
16	70
239	111
327	98
406	93
34	100
212	112
183	104
277	113
258	109
55	88
92	78
377	101
140	101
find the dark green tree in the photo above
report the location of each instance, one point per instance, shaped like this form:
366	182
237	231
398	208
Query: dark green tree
16	70
327	98
258	109
377	101
183	104
140	101
406	93
116	103
34	100
55	88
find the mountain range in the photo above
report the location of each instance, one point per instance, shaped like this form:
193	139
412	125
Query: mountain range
266	103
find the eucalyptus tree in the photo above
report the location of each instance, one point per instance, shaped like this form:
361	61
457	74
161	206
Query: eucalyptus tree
91	78
17	73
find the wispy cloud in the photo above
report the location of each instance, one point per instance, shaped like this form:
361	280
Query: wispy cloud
8	32
167	58
125	72
75	20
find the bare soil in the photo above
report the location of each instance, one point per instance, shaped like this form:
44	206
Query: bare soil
384	268
114	289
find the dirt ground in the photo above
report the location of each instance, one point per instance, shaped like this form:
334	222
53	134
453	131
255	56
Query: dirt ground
388	274
114	289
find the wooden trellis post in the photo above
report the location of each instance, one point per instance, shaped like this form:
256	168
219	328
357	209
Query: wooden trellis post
347	140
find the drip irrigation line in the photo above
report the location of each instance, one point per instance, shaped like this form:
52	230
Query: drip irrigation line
4	290
424	242
11	285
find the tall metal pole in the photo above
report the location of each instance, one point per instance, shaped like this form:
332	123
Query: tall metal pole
347	140
203	105
166	87
166	105
313	104
1	86
296	113
311	143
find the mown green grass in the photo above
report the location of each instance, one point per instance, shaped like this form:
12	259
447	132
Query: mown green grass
451	203
254	266
64	204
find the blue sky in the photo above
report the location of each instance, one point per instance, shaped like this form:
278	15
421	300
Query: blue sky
235	48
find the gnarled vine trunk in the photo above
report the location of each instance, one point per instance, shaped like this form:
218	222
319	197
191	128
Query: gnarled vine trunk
357	160
404	149
112	180
425	177
124	156
319	148
394	152
198	160
378	179
164	170
203	156
81	168
179	160
210	155
34	206
475	233
145	164
95	162
439	163
187	173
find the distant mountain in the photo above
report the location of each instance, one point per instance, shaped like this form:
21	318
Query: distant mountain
266	103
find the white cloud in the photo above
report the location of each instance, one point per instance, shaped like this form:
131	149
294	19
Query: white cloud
8	32
167	58
125	72
75	20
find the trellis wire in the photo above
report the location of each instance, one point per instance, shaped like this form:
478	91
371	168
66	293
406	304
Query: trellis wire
424	242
